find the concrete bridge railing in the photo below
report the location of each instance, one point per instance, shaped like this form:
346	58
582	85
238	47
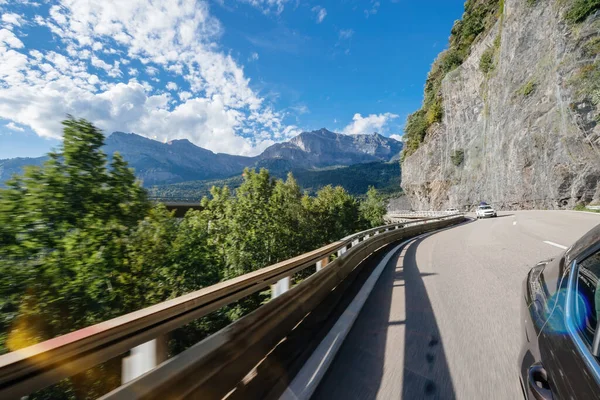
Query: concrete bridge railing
215	366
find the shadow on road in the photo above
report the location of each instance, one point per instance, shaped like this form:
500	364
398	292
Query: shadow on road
357	370
374	345
499	216
426	374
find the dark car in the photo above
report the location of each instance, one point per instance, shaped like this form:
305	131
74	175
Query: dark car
561	336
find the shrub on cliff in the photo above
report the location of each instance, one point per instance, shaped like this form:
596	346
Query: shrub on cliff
527	88
592	47
415	130
486	62
581	9
457	157
586	80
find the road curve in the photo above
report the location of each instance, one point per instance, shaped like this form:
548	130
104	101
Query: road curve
443	320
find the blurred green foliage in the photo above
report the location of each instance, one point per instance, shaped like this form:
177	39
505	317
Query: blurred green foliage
80	243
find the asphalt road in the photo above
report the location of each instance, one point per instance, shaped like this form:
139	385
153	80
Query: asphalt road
443	320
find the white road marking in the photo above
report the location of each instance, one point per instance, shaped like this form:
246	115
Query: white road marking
560	246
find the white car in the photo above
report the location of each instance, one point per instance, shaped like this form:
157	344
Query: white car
485	211
452	211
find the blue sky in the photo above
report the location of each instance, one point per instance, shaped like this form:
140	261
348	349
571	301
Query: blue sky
229	76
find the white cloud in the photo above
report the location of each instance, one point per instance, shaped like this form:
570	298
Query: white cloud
151	71
39	87
320	12
346	33
12	19
10	39
171	86
300	109
374	8
369	124
13	127
184	95
397	137
253	57
112	70
267	6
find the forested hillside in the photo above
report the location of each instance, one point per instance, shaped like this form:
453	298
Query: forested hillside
356	179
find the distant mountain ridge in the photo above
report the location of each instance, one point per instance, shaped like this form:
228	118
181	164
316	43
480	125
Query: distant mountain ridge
175	161
323	148
157	163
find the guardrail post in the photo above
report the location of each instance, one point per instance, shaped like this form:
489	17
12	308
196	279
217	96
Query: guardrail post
322	264
143	358
280	287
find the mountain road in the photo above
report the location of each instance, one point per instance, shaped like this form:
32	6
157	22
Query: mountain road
442	322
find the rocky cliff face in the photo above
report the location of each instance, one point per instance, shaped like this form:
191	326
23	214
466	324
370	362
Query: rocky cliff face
526	133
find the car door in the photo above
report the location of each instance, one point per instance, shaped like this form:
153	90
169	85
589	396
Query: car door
570	341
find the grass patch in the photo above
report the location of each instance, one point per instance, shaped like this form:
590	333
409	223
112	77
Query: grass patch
581	9
498	41
531	3
581	207
527	88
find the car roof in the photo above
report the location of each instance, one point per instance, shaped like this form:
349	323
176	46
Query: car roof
584	243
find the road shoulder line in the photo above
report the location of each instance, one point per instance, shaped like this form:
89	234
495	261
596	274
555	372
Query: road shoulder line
560	246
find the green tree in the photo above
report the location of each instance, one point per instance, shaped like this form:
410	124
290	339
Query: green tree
373	209
63	244
333	213
291	225
64	233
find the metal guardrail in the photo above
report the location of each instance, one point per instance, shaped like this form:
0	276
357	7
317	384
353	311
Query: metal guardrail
215	365
402	216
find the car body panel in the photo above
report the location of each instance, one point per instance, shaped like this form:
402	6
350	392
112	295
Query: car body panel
546	337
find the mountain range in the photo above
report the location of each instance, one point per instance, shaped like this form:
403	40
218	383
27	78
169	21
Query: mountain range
157	163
